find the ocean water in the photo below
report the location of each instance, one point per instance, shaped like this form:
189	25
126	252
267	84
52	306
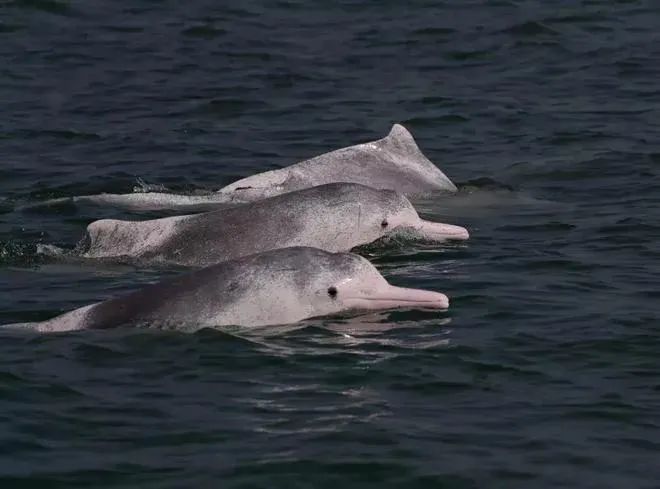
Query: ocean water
545	371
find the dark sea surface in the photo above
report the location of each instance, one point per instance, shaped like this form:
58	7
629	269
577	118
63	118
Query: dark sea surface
545	371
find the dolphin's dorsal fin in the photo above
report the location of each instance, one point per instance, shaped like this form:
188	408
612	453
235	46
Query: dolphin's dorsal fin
402	149
105	234
400	133
400	138
101	228
400	141
113	237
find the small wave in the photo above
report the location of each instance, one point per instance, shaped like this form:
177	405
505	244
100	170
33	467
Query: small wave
441	120
570	137
576	18
529	28
484	183
123	28
6	205
433	31
470	55
204	32
50	6
66	134
6	28
229	107
403	241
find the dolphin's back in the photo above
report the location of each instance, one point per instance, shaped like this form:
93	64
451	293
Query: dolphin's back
190	297
69	321
114	237
393	162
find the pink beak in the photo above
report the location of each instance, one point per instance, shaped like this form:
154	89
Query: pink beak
437	231
390	297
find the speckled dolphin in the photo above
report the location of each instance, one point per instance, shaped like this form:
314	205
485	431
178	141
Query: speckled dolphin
277	287
394	162
332	217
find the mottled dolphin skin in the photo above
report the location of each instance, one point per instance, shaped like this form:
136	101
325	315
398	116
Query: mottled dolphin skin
332	217
277	287
394	162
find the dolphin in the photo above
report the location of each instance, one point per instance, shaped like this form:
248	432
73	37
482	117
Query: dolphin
276	287
394	162
332	217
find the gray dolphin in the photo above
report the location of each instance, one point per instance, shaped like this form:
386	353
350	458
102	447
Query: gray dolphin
394	162
332	217
277	287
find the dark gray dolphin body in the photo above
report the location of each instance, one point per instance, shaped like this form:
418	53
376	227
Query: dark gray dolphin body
332	217
394	162
277	287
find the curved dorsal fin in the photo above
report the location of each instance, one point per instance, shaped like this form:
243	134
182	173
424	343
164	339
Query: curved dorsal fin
400	137
401	133
114	237
104	234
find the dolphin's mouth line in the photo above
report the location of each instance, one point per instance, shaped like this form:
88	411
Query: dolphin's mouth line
392	299
394	303
453	235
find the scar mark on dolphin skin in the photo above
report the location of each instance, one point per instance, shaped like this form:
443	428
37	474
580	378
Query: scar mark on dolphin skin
285	269
242	188
359	217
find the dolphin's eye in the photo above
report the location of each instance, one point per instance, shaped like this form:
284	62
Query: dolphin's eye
332	292
384	224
